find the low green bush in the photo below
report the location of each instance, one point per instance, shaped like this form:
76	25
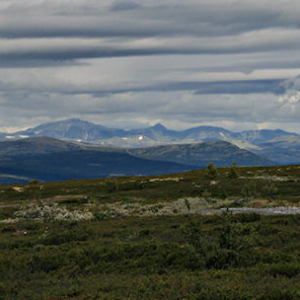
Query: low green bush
67	236
284	269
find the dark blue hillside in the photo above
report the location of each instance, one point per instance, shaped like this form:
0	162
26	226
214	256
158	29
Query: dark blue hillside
82	164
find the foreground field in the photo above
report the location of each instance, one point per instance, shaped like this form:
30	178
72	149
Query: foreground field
147	237
175	257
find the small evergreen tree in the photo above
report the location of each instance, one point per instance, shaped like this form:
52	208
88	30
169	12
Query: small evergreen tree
211	172
233	172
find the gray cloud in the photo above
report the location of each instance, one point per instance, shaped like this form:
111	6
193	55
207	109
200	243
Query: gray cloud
72	49
191	61
33	85
121	6
106	18
179	106
41	33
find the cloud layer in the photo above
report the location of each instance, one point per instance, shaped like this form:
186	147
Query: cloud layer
131	63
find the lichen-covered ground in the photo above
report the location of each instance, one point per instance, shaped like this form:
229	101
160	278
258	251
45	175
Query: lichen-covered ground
182	236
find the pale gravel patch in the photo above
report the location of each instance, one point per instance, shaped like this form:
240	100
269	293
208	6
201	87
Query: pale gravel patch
179	206
9	221
272	178
189	206
51	213
18	189
176	179
281	210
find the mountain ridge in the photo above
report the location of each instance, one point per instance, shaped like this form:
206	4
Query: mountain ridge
88	131
49	159
277	145
221	153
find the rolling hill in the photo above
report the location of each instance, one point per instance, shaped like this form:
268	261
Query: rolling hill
48	159
276	145
219	152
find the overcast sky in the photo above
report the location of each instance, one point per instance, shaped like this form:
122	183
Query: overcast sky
129	64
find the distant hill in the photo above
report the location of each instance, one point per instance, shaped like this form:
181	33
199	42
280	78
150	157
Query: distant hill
48	159
219	152
76	129
46	145
262	136
205	134
278	145
33	146
285	149
73	129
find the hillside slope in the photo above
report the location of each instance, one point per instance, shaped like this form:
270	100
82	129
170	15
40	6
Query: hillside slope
49	159
219	152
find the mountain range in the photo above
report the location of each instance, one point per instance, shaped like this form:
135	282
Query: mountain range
277	145
79	149
221	153
76	129
49	159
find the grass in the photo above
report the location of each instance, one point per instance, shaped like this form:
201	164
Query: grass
178	255
151	258
274	183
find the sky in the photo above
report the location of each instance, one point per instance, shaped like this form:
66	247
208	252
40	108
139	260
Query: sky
131	64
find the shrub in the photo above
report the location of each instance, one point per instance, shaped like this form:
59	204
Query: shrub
284	269
280	294
222	258
249	190
112	186
47	262
222	193
269	190
67	236
195	237
34	181
211	171
187	204
246	217
206	194
233	174
229	248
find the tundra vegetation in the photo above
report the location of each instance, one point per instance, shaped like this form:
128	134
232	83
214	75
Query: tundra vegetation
163	237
